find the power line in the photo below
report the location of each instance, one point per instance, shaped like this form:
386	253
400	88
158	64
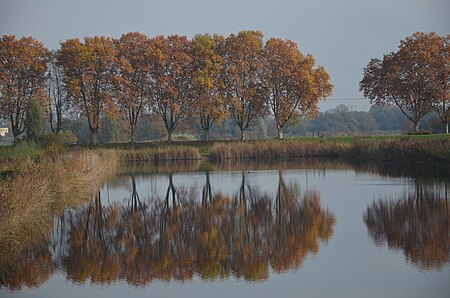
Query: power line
346	98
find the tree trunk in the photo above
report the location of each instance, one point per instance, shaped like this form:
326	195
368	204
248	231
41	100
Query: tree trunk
446	126
242	135
132	134
169	136
94	138
280	132
416	125
206	135
15	131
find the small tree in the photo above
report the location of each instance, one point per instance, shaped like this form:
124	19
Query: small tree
35	121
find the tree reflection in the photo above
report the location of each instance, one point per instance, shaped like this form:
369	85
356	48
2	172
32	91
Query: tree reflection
178	237
416	223
32	268
214	237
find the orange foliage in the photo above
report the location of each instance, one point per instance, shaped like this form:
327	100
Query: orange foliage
23	64
170	72
290	83
132	92
242	57
207	54
415	78
89	73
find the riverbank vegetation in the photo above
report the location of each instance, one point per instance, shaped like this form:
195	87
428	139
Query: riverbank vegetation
426	149
158	154
270	149
44	187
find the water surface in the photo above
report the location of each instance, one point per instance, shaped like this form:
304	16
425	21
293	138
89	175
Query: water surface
311	228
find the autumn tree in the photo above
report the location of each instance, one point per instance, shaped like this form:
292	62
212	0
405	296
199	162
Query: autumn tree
23	64
242	58
290	83
207	84
406	78
57	95
170	80
133	81
441	81
89	73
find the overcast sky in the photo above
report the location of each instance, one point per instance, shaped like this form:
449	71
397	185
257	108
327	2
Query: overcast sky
342	35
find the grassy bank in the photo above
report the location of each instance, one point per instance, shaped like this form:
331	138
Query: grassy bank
44	187
426	149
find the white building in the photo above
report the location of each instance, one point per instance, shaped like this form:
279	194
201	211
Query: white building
3	131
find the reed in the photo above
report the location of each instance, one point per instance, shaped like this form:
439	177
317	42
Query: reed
158	154
29	198
277	150
26	213
410	150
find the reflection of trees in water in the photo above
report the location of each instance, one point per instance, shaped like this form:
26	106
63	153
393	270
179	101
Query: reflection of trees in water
213	238
416	223
178	237
32	269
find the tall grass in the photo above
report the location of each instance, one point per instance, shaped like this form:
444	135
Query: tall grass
410	150
29	198
277	150
157	155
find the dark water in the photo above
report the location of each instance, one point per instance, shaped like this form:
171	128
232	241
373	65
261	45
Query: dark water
312	229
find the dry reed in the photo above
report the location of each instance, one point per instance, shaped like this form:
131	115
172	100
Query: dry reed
157	155
277	150
423	151
30	197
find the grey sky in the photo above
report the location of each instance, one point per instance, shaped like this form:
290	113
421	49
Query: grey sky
341	34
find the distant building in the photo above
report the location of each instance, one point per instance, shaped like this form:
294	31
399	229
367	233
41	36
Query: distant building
3	131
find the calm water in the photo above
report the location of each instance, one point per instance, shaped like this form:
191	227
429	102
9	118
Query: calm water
312	229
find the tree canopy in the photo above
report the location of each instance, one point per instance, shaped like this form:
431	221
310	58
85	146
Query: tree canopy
290	83
89	72
23	65
410	78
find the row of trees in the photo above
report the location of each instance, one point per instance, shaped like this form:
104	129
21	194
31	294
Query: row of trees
337	121
210	76
416	78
